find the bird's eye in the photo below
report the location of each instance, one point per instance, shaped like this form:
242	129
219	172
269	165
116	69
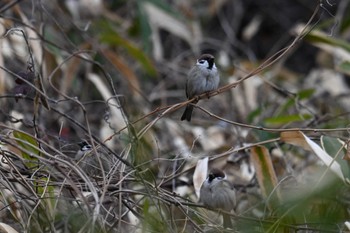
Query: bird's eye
201	61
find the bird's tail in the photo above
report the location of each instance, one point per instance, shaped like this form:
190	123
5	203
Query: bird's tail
187	113
227	221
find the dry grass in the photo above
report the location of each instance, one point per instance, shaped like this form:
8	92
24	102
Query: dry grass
113	74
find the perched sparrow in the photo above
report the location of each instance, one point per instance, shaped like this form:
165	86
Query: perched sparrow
218	193
203	77
89	162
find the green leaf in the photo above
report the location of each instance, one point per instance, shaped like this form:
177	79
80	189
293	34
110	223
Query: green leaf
28	144
254	114
344	67
287	119
320	37
334	147
303	94
109	36
306	93
153	219
43	189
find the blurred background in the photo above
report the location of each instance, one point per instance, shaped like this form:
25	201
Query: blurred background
109	72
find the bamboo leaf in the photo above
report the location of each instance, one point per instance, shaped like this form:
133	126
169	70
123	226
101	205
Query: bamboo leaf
200	174
29	147
285	119
295	138
335	148
305	142
125	70
109	36
266	174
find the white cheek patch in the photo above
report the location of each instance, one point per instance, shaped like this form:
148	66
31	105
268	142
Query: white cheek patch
203	63
86	148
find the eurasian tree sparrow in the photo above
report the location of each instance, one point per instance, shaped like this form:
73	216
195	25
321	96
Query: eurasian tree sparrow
89	162
203	77
218	193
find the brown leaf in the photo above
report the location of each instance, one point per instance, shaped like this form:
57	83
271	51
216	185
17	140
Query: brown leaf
123	68
265	174
295	138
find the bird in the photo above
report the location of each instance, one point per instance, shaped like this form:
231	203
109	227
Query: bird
89	161
217	192
203	77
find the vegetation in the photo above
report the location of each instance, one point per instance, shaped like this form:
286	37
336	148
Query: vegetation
112	73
